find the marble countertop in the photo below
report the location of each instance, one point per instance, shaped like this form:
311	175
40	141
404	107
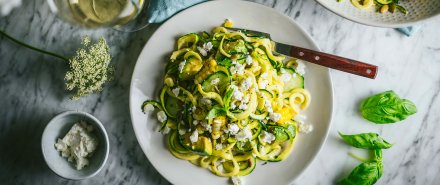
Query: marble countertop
32	92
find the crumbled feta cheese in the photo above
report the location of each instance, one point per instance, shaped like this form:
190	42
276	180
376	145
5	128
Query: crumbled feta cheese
195	122
249	60
215	81
202	51
233	106
182	131
300	118
246	99
264	75
305	128
194	136
78	144
161	116
263	150
263	84
148	108
233	129
217	163
301	68
236	180
166	130
244	103
268	105
246	84
237	94
176	91
286	77
244	134
181	66
207	46
237	68
267	137
221	168
218	146
243	106
275	116
206	126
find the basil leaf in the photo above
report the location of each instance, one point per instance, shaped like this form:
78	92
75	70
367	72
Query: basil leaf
227	98
378	155
366	173
387	107
369	141
216	111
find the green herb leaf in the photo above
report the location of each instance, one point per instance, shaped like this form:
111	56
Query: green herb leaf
387	107
227	62
216	111
371	141
378	155
279	132
227	98
366	173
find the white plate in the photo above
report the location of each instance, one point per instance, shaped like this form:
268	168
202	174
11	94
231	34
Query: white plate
419	10
147	80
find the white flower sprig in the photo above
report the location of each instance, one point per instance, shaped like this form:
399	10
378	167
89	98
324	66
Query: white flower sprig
89	69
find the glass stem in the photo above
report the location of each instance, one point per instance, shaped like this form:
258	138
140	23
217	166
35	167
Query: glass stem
32	47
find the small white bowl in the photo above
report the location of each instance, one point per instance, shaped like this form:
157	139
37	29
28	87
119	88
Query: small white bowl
58	128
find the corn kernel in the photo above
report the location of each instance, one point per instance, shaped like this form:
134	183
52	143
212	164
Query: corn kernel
384	9
287	114
228	24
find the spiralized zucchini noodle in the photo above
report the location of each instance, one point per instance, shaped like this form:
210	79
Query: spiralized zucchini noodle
228	100
382	6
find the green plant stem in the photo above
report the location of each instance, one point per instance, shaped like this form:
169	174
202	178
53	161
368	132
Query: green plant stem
357	157
32	47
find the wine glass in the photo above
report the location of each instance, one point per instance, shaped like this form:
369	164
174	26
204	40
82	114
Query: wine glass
125	15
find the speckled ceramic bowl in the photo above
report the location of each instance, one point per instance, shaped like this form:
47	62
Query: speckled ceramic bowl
58	128
418	10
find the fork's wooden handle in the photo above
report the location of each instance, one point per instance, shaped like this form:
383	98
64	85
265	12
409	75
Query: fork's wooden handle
335	62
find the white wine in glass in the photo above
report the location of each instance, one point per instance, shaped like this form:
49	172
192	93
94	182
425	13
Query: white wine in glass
101	13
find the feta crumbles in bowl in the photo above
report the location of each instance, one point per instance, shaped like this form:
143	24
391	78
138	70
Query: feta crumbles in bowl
75	145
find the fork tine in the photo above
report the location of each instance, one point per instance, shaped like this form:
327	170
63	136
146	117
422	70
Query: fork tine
251	32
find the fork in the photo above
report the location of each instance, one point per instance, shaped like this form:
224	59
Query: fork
324	59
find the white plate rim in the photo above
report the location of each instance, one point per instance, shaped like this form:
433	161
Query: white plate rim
307	37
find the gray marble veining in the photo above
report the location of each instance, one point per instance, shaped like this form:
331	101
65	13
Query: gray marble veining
32	92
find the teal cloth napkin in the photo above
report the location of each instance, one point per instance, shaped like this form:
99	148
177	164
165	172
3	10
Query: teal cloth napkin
408	31
161	10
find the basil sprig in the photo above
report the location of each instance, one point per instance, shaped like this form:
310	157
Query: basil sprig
370	141
368	172
387	107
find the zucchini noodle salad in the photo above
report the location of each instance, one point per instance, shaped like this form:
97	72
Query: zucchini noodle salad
228	100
